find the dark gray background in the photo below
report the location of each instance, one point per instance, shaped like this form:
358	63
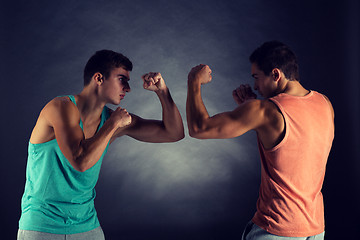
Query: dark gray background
192	189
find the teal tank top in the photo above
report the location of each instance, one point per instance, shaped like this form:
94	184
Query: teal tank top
57	198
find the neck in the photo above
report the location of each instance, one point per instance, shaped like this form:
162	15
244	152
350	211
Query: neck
293	88
89	105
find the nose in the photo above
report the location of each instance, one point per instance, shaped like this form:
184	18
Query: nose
127	87
255	85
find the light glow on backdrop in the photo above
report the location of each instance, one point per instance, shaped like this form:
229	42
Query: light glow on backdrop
178	176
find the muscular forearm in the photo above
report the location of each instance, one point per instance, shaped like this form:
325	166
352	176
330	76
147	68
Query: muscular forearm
170	115
196	113
90	150
63	117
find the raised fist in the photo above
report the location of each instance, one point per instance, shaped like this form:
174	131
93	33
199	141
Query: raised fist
153	81
201	73
243	93
121	117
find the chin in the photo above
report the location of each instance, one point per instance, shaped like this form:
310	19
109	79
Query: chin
116	102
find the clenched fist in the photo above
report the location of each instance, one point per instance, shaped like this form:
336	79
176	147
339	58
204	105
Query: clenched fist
121	117
153	81
201	73
243	93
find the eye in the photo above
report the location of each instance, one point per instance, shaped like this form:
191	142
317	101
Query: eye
124	81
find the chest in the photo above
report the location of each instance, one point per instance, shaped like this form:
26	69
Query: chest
90	129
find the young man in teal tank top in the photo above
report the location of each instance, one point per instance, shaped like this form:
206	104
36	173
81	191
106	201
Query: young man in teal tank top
70	139
295	130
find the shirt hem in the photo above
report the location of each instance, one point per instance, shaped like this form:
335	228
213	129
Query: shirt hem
73	230
289	233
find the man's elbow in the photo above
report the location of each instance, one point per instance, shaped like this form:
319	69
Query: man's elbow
199	129
192	133
78	161
81	168
196	133
176	134
179	136
78	166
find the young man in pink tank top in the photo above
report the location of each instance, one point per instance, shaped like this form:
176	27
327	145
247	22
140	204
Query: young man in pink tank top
295	130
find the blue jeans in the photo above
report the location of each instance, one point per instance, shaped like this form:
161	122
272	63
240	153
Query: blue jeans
96	234
254	232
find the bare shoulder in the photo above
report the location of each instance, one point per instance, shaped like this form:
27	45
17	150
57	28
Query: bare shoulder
58	108
253	105
53	113
257	107
57	111
256	113
58	103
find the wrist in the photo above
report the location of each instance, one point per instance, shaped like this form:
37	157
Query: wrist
194	84
113	124
163	90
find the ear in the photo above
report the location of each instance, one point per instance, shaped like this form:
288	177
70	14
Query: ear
98	78
276	74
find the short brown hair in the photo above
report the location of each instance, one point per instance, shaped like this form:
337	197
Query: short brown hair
104	61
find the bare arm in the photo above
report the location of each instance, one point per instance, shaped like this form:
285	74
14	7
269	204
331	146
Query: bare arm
82	153
249	115
169	129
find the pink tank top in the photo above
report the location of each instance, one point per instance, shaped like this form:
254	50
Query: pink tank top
290	201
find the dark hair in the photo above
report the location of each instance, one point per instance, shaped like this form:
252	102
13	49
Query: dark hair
104	61
275	54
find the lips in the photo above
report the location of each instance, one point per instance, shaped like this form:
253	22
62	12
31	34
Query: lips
122	96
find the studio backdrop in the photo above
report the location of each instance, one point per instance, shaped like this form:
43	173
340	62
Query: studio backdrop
192	189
